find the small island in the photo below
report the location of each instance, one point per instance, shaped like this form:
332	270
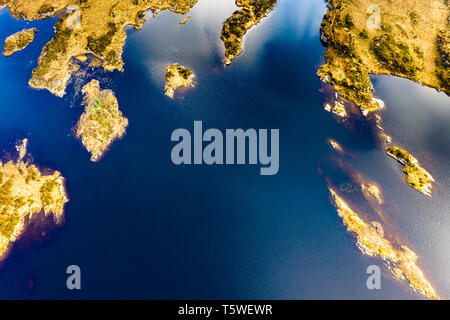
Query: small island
185	20
417	177
18	41
371	189
178	77
25	190
235	27
338	109
102	122
371	241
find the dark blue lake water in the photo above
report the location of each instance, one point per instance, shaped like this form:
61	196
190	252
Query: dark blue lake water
141	227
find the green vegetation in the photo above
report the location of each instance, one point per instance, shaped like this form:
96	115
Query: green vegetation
344	69
23	190
46	191
233	30
372	241
335	29
8	222
97	106
443	63
45	9
102	122
169	75
184	72
414	16
364	34
99	46
394	55
5	193
386	27
101	32
33	174
177	77
398	47
400	154
8	213
102	109
346	22
261	7
180	6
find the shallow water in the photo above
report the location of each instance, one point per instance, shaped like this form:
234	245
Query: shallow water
140	227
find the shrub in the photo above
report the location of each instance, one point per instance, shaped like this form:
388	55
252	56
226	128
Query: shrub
395	55
364	34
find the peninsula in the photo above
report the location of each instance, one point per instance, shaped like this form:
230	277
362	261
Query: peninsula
18	41
178	77
25	190
102	122
371	241
408	39
236	26
416	176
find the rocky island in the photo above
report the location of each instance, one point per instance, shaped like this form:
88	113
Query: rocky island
335	145
25	190
416	176
338	109
102	122
371	189
91	32
18	41
381	37
235	28
178	77
371	241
